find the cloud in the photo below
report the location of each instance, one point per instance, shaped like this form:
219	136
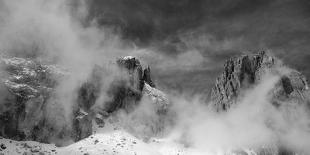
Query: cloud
46	31
253	122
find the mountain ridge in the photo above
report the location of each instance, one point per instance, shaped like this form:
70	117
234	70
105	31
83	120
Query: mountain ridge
242	72
30	88
136	90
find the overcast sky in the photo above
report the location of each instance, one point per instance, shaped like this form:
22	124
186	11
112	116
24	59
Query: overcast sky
202	34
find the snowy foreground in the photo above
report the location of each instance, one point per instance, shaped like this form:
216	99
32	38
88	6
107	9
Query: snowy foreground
113	142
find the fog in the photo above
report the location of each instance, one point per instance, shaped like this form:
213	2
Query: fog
53	31
252	123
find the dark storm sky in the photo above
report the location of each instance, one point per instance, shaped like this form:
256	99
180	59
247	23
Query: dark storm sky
217	29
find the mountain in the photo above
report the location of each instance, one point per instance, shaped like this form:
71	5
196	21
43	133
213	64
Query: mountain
241	73
134	115
27	87
31	110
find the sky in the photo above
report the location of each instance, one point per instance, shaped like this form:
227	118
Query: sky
211	29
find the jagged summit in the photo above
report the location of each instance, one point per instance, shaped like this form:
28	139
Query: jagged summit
128	57
129	62
134	67
242	72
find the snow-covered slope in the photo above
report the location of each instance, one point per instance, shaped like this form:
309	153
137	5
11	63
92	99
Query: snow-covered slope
116	142
111	143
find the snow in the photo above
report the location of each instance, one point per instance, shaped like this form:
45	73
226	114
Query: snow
111	142
16	61
155	94
114	143
10	147
128	57
16	87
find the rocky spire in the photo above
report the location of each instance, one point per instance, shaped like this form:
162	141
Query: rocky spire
147	77
244	71
135	73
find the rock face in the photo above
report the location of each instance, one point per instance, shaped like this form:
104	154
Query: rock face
26	89
28	97
140	90
242	72
160	105
135	71
126	93
86	98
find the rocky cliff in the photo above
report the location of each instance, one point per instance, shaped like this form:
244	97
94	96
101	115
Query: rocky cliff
27	86
28	97
244	72
127	92
241	73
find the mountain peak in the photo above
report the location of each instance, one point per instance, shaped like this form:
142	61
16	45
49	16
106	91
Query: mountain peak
244	71
128	57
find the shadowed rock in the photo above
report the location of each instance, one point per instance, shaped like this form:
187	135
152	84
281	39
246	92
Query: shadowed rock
125	93
147	77
30	110
244	72
241	73
26	88
88	93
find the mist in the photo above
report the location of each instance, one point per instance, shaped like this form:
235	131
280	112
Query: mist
252	123
55	32
52	32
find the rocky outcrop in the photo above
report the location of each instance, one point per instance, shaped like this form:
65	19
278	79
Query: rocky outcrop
28	103
26	88
86	99
147	77
243	72
128	89
160	106
135	70
125	93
